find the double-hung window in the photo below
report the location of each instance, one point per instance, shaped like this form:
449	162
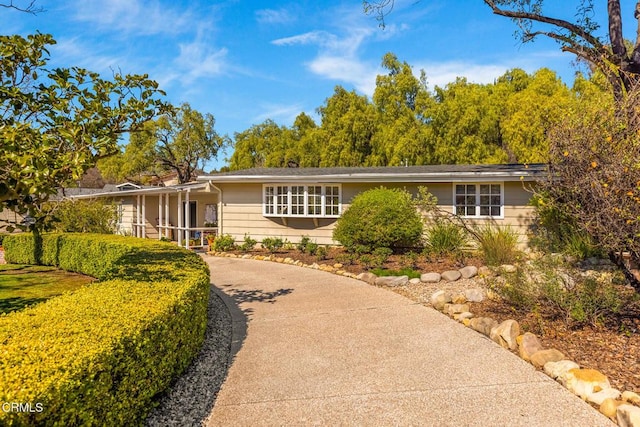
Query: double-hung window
315	201
479	200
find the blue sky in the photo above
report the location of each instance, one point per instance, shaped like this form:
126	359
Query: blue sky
245	61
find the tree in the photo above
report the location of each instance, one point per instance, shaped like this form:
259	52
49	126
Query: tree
179	141
613	58
56	123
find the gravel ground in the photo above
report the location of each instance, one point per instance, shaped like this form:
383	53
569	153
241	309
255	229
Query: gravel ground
422	292
191	397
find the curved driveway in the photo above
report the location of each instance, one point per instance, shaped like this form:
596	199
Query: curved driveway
312	348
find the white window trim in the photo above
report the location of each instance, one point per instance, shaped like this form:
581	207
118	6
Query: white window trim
306	214
477	215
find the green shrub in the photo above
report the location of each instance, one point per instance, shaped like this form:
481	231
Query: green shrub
380	217
248	244
224	243
445	238
321	252
499	245
99	355
2	236
550	286
302	245
272	244
82	216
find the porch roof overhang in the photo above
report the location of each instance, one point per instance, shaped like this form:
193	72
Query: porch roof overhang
399	174
197	186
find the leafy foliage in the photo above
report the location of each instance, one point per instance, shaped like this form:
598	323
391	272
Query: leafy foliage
380	218
224	243
445	238
94	356
248	243
56	123
272	244
81	216
407	123
499	245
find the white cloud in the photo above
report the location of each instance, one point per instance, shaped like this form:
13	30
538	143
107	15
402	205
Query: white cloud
134	16
337	57
441	73
198	60
272	16
278	112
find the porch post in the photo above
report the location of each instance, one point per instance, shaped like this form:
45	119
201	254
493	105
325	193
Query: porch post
137	215
160	197
144	216
179	218
187	219
166	216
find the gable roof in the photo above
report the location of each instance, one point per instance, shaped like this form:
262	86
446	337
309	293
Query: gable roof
426	173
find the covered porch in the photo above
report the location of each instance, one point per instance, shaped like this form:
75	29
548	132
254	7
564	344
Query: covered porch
186	214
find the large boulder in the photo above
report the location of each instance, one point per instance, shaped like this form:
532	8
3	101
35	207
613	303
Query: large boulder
469	271
506	334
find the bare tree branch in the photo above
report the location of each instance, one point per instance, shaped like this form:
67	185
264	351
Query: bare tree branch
29	8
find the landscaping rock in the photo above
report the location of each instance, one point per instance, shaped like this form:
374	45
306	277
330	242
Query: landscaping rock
451	275
430	277
439	299
609	408
462	316
458	299
508	268
628	415
542	357
527	345
337	266
469	271
415	281
453	309
629	396
484	325
475	295
557	370
599	397
506	334
392	281
583	382
370	278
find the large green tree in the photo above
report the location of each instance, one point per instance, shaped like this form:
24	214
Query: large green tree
179	141
56	123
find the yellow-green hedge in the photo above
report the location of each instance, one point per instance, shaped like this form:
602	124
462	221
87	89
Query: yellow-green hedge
98	356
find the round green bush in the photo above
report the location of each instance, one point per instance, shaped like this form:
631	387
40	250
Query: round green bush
380	218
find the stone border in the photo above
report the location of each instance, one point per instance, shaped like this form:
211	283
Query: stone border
588	384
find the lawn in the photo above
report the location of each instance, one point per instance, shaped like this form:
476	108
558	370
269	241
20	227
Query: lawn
25	285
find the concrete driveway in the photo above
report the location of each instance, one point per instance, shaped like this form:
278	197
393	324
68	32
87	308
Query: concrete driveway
312	348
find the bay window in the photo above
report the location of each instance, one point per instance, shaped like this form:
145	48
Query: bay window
313	201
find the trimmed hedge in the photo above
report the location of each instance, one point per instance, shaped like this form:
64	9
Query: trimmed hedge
99	355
